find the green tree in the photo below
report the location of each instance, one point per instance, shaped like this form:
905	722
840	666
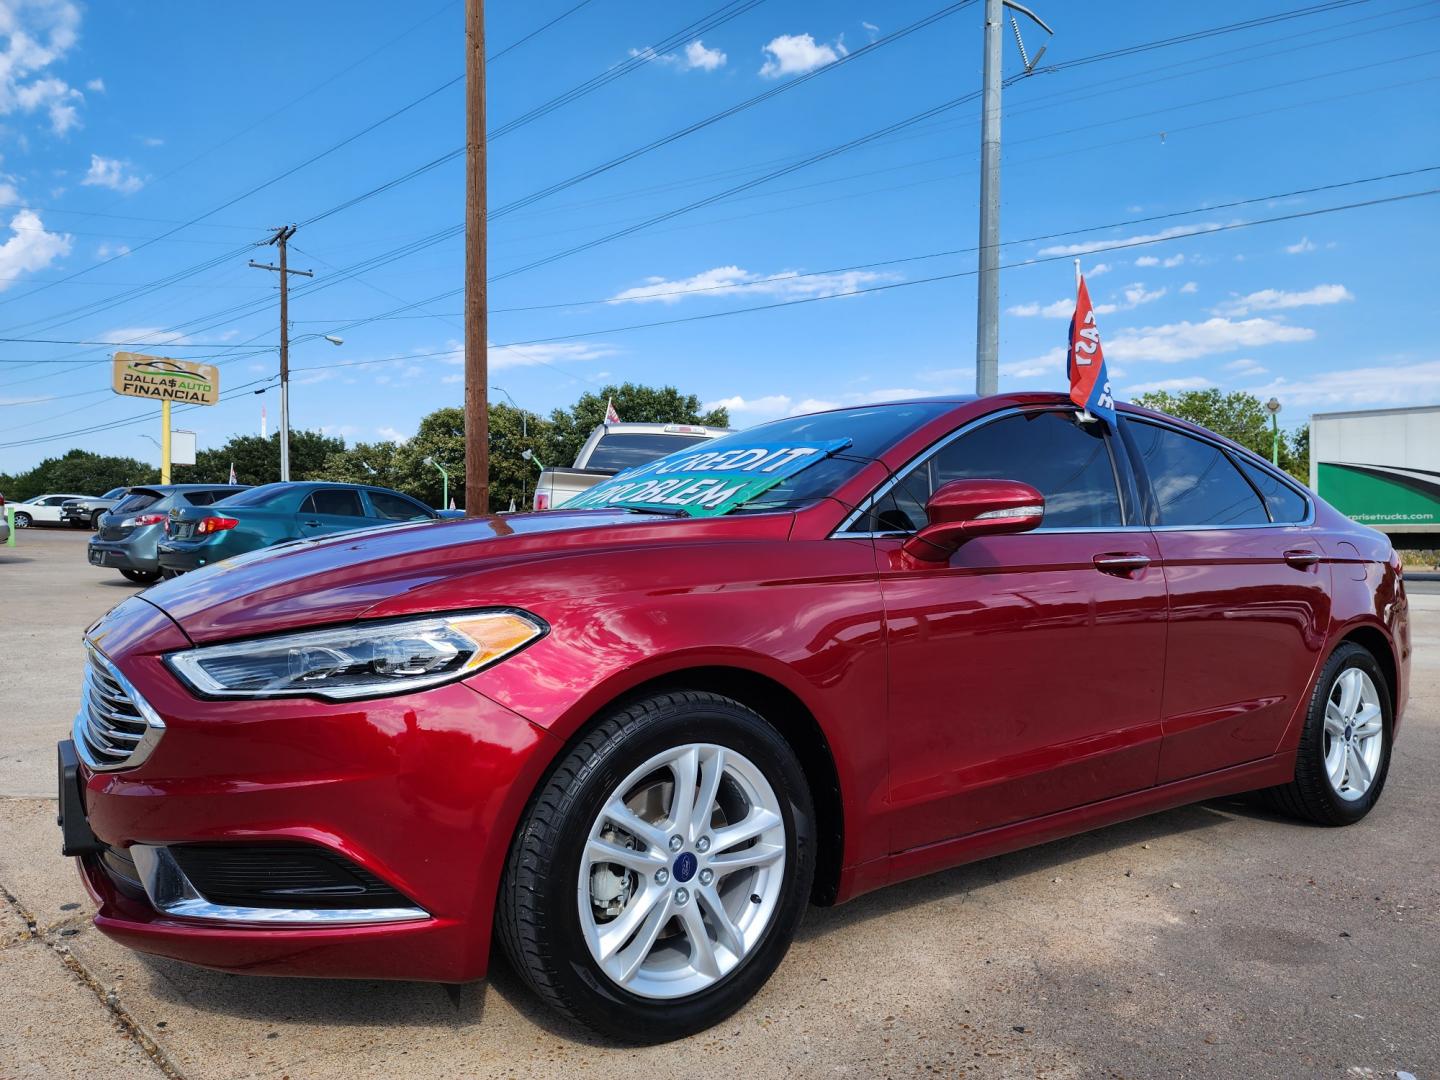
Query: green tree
1238	415
569	428
257	460
80	471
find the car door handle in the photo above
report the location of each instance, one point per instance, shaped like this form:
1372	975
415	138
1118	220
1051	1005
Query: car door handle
1301	558
311	524
1121	562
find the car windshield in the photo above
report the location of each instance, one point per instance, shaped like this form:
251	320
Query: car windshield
625	450
871	430
265	495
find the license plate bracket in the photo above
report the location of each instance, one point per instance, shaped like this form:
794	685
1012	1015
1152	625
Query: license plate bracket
76	837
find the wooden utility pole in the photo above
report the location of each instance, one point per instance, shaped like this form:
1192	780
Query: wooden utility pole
281	237
477	376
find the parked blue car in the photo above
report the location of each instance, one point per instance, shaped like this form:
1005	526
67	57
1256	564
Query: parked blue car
274	513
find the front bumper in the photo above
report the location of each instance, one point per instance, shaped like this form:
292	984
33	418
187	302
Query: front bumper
421	791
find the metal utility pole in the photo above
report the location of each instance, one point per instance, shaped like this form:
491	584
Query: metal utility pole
477	340
279	240
987	323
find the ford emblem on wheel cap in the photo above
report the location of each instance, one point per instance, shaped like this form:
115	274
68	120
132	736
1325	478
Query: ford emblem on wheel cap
685	867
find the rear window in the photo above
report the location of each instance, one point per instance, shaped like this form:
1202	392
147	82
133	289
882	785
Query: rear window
625	450
263	495
1286	505
397	507
137	501
205	498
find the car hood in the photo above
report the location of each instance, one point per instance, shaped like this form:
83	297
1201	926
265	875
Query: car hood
340	578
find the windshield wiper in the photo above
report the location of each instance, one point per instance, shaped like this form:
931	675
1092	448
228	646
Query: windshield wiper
660	511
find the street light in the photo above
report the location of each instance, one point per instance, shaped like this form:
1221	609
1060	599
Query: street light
524	435
444	483
1273	408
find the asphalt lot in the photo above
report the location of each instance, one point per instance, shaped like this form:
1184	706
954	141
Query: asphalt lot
1209	941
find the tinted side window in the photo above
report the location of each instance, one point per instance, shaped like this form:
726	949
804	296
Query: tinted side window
198	498
340	502
1284	502
1067	462
1194	482
397	507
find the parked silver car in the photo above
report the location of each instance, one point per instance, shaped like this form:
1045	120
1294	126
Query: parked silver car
129	535
86	513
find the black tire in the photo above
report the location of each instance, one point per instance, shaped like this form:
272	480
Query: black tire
537	921
1310	796
22	521
141	577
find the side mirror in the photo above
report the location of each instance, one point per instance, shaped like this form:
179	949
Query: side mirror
962	509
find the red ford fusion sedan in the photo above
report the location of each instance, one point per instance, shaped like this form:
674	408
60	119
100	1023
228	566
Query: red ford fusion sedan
631	742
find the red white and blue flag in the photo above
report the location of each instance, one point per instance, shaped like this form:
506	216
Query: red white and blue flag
611	416
232	473
1089	381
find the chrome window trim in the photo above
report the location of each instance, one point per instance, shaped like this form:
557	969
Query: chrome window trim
934	448
172	893
1229	455
864	507
154	726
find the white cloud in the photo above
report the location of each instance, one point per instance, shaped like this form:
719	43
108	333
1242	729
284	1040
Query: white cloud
1168	263
870	29
697	56
1064	308
1245	366
1137	294
1124	241
26	400
694	57
151	140
96	86
1147	260
1189	287
1303	246
1192	382
1279	299
1174	342
1399	384
769	405
152	335
390	434
1098	269
795	54
37	34
30	248
1050	364
111	173
732	280
754	409
560	352
112	251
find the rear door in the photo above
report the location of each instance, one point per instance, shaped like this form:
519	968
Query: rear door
1249	597
1025	675
331	510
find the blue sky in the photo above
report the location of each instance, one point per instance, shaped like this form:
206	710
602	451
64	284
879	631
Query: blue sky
121	123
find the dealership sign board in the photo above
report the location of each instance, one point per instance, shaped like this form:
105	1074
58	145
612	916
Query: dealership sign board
162	379
706	483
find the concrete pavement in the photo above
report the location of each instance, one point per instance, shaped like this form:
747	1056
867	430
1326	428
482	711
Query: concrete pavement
1210	941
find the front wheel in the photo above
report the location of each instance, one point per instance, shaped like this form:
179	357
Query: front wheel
1344	753
141	577
662	869
22	520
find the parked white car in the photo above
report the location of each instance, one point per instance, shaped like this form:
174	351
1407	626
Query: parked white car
41	510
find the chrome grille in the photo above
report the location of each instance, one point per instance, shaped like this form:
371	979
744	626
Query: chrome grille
116	728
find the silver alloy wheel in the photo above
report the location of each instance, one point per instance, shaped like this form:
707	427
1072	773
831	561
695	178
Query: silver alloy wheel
1354	733
682	871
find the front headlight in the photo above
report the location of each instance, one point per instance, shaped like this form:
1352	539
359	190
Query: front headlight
376	659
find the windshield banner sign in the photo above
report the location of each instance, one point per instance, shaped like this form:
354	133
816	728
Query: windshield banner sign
706	483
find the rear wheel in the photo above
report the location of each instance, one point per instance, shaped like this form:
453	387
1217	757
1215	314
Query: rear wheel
662	869
1344	754
142	577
